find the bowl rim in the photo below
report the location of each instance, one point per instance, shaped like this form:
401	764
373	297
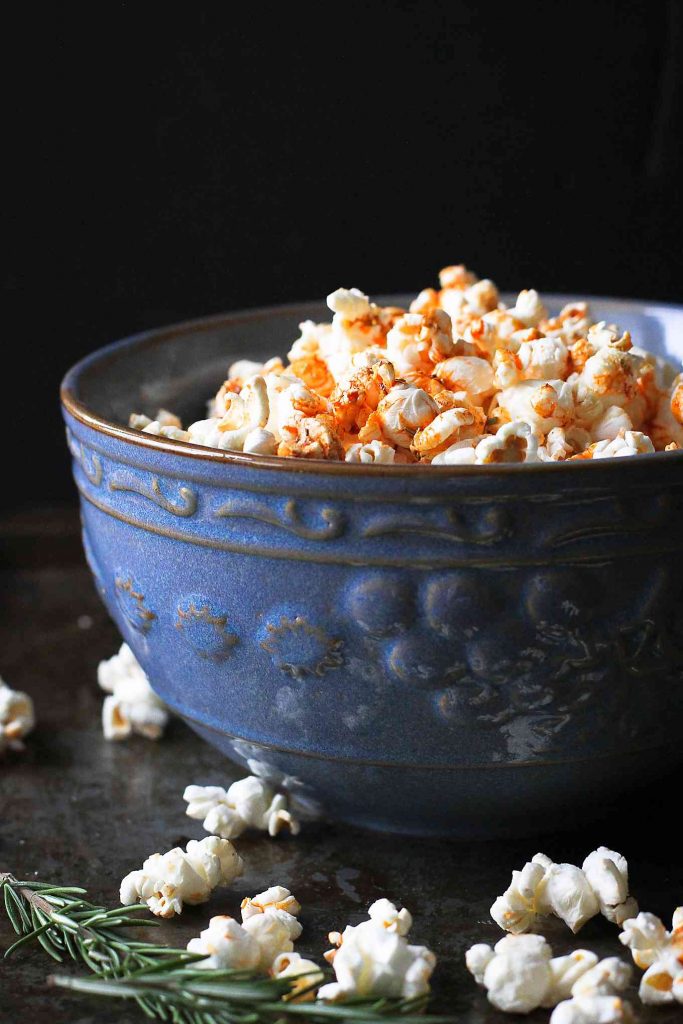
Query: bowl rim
185	449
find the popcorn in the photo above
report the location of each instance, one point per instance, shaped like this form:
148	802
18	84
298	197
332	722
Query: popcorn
419	341
515	442
648	939
520	974
248	803
404	410
593	1010
167	881
349	303
528	308
543	888
133	706
240	414
385	913
375	959
226	945
607	875
260	442
272	934
306	973
595	996
278	902
372	451
663	981
17	717
629	442
366	388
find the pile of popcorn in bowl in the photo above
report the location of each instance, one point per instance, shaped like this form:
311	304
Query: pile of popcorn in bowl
457	379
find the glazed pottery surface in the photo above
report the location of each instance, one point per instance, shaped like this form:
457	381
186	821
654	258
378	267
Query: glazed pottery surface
451	650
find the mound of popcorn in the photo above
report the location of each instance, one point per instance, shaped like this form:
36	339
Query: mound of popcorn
17	717
456	379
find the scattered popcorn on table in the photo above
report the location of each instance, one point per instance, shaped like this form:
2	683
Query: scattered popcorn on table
17	717
248	803
366	387
133	706
573	894
375	959
659	953
167	881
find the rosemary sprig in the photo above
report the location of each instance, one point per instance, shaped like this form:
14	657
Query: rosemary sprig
168	984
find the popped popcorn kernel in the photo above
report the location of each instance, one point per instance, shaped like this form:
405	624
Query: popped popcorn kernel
132	705
375	959
167	881
17	717
249	803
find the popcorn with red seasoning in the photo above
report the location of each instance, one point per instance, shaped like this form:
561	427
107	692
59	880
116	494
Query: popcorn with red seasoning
376	373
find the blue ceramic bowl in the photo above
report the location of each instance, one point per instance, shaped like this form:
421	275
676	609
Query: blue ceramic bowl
446	650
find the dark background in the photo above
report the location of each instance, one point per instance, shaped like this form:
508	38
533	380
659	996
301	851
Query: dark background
167	165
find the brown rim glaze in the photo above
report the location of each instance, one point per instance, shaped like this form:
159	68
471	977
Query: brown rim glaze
185	449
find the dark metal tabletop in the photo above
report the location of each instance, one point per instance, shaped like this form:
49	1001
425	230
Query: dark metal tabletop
76	809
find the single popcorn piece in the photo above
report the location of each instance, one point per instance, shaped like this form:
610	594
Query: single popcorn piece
663	981
167	881
399	415
226	945
630	442
528	308
374	959
248	803
17	717
277	901
648	939
273	935
515	442
595	996
593	1010
515	973
305	976
260	442
238	415
543	888
419	341
390	917
607	874
133	706
373	451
